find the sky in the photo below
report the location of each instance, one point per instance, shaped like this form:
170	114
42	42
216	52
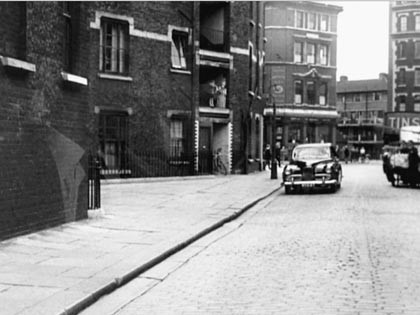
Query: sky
362	43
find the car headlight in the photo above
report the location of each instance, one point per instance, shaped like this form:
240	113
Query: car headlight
287	171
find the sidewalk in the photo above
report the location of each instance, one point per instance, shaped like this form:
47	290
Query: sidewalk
63	269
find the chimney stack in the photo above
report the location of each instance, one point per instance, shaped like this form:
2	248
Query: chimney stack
383	76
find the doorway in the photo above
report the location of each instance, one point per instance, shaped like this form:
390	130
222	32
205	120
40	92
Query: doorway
205	154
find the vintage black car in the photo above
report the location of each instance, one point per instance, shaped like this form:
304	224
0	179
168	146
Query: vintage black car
313	165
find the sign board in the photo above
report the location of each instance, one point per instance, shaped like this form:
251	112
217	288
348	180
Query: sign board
278	81
398	120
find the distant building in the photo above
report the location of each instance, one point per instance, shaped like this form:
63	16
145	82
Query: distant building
300	70
404	66
362	105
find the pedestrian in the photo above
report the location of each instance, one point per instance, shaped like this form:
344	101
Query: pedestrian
346	154
362	154
267	157
413	162
277	153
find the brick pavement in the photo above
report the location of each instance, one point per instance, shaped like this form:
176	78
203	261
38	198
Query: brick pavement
51	271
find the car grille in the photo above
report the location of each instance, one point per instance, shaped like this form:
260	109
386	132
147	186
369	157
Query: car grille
308	173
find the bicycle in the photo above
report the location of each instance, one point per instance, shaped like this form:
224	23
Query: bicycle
218	166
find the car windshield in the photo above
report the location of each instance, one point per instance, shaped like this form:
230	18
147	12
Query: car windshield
311	153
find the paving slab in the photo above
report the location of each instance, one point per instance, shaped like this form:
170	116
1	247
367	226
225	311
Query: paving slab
62	269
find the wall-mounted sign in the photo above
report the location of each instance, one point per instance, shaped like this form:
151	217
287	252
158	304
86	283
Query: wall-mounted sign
398	120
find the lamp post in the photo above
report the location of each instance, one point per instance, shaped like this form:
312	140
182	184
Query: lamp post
273	143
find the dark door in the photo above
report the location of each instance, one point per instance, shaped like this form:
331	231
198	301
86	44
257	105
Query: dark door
205	156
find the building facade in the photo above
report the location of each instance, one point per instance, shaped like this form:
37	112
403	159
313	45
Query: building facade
300	71
362	105
44	114
404	66
147	86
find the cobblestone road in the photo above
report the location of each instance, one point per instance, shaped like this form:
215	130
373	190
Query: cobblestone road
353	252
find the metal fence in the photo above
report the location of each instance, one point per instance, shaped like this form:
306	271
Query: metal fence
94	182
151	164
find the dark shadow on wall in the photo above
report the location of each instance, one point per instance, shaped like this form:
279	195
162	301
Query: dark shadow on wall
42	178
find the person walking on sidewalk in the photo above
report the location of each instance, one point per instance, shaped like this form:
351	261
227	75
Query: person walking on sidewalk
267	157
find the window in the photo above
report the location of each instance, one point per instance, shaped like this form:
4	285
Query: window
310	92
300	21
311	21
402	103
376	96
349	97
323	94
402	23
357	97
417	77
325	21
178	49
417	106
177	138
67	49
310	58
401	77
323	54
402	50
417	22
298	52
113	135
416	49
298	92
114	46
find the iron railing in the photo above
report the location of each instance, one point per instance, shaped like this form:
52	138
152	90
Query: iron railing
94	183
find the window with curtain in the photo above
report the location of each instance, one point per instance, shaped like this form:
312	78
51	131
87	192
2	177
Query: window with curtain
300	21
310	57
114	46
417	49
179	49
325	22
417	22
323	89
177	138
323	55
311	21
298	52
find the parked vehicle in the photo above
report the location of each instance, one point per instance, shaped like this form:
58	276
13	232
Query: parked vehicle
314	165
401	161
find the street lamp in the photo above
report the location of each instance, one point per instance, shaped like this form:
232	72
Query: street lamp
275	90
273	143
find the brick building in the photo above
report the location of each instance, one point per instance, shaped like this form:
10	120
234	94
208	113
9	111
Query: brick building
136	82
404	66
362	105
44	116
300	66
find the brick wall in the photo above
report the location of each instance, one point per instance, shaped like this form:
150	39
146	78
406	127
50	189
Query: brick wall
43	133
154	89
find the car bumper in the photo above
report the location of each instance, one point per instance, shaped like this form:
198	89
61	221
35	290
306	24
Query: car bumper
311	183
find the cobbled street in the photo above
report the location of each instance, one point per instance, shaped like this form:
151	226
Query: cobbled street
352	252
